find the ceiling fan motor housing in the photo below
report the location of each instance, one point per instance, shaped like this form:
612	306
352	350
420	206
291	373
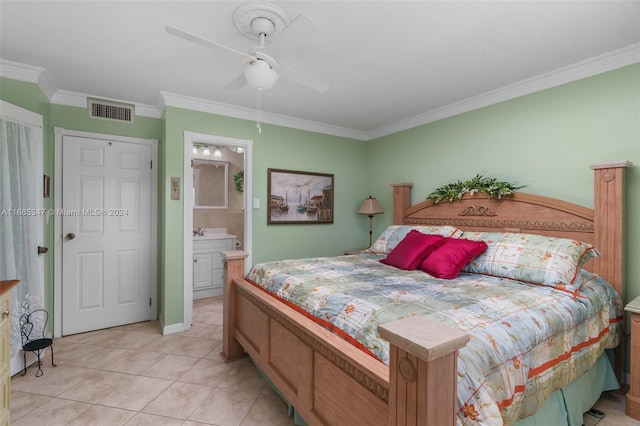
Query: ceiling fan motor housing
254	18
261	26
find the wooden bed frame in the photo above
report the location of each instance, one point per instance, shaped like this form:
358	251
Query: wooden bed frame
329	381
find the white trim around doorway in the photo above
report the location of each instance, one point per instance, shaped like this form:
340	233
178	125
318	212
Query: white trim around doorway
201	138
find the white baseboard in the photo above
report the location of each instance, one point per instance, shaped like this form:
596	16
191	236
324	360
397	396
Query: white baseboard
172	329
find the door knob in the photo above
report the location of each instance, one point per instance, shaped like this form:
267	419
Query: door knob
42	250
70	236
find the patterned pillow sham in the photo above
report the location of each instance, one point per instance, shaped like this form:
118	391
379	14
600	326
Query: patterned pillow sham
393	234
538	259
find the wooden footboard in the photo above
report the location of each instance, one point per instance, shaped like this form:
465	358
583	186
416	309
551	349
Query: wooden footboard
328	380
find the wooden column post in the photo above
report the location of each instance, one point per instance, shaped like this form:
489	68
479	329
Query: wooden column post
422	371
608	212
233	269
401	201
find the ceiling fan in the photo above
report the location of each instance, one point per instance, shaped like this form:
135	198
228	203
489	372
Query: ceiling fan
266	23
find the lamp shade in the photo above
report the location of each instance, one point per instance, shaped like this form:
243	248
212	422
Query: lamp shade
259	75
370	206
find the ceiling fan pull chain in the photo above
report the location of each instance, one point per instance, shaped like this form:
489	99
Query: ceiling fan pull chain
259	108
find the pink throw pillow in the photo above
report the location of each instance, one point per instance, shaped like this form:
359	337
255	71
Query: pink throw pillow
412	249
448	260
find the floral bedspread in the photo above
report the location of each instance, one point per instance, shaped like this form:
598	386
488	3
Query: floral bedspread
526	340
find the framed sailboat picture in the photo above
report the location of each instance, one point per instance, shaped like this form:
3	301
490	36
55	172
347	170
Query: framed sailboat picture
299	197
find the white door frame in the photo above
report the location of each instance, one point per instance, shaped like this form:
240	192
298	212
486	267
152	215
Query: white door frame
59	133
189	139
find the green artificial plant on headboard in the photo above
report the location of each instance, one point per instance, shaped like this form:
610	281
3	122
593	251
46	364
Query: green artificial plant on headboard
490	186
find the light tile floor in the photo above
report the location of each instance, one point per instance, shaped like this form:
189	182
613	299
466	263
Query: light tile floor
136	376
133	375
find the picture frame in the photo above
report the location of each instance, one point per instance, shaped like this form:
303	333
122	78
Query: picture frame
297	197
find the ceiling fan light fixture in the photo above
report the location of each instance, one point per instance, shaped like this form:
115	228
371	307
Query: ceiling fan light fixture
260	76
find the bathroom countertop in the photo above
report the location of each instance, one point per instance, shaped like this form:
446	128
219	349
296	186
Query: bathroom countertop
213	234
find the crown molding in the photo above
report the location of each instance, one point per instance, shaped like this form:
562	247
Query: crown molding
29	74
607	62
599	64
197	104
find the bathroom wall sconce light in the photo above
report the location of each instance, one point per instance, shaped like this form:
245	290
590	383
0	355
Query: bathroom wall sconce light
206	151
217	153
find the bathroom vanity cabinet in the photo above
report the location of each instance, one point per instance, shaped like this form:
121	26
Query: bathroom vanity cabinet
208	265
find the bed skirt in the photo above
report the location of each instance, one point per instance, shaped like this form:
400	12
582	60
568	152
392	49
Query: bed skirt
564	407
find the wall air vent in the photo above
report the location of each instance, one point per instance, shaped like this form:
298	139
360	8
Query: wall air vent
108	110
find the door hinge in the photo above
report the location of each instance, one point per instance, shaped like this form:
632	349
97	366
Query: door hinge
151	164
149	301
192	163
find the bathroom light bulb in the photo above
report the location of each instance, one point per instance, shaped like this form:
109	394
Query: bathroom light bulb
206	152
217	152
195	150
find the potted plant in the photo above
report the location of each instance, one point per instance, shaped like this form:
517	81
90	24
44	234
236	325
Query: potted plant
238	180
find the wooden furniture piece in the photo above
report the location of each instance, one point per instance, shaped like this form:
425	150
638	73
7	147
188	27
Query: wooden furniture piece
329	381
5	334
633	396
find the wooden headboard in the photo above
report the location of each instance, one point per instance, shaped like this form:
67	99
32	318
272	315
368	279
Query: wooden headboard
601	226
536	214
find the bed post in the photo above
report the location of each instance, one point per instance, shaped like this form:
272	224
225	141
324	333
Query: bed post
233	269
401	201
422	371
608	212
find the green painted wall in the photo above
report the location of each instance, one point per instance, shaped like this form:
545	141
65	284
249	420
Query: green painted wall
275	147
545	140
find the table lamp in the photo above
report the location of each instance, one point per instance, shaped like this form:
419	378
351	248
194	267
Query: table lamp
370	207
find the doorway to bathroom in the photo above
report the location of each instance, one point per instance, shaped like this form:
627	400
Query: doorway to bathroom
217	194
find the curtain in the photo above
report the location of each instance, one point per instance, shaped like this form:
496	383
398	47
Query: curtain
21	222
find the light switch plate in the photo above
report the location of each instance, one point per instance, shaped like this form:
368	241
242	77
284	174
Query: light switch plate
256	203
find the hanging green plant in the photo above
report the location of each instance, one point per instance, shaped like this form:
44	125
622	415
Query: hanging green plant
238	180
490	186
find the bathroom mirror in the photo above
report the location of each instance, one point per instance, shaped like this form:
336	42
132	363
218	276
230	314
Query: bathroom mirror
210	184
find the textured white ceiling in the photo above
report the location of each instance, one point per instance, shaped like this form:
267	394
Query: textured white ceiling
386	61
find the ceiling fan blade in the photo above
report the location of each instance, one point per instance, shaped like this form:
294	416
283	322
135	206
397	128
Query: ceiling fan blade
203	41
238	83
295	34
303	79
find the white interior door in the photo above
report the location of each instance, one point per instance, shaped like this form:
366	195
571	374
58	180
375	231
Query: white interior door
106	233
